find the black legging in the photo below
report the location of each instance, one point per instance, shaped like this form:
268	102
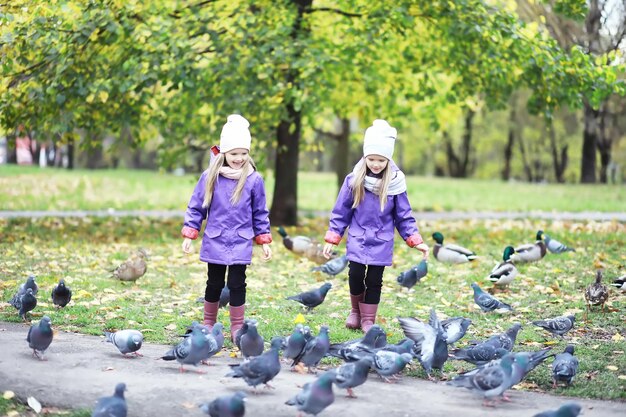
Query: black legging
236	283
370	283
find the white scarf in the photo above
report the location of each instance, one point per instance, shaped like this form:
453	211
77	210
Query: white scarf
234	174
397	185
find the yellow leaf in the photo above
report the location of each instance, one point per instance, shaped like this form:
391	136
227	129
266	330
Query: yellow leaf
617	337
299	319
103	96
550	343
13	413
8	395
90	98
611	368
232	355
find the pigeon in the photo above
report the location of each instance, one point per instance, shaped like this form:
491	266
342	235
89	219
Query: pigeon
488	302
40	336
564	367
295	343
479	354
313	298
505	272
315	396
242	331
366	343
555	246
430	341
489	382
388	364
620	283
334	266
126	341
260	369
455	328
226	405
403	346
28	302
505	340
224	297
133	268
524	362
530	252
557	326
411	277
315	350
61	294
191	350
533	359
452	254
16	301
114	406
353	374
251	342
566	410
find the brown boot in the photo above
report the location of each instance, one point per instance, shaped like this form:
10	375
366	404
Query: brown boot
236	320
210	313
368	315
354	318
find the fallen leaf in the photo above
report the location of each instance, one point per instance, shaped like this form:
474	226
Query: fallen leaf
8	395
621	377
617	337
34	404
299	319
612	368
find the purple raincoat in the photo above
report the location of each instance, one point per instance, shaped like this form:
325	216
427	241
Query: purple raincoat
229	229
371	232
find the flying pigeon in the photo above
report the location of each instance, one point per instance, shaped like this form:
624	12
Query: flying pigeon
564	367
40	336
489	382
312	298
430	341
566	410
260	369
411	277
126	341
315	396
557	326
226	405
488	302
114	406
251	342
455	328
61	294
353	374
191	350
133	268
333	267
315	350
555	246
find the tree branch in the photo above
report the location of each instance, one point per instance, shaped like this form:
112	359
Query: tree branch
331	9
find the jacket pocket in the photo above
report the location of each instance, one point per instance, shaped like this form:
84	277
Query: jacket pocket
384	236
355	231
213	232
246	233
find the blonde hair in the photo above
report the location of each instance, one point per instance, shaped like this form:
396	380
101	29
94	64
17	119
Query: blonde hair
358	185
214	172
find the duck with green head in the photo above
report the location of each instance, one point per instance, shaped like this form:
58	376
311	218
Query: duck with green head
505	272
530	252
452	254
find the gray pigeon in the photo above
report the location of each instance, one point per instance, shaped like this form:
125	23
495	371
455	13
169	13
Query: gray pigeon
505	340
242	331
191	350
388	364
367	343
30	283
313	298
403	346
555	246
126	341
411	277
566	410
488	302
315	396
455	328
224	296
333	267
114	406
27	303
430	341
295	343
260	369
61	294
557	326
226	406
40	336
315	350
534	359
479	354
353	374
251	342
564	367
489	382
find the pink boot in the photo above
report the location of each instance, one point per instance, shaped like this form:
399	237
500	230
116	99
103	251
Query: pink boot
354	318
210	313
368	315
236	320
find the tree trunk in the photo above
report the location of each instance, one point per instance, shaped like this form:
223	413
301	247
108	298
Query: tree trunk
559	162
508	149
342	155
527	170
459	165
70	154
590	141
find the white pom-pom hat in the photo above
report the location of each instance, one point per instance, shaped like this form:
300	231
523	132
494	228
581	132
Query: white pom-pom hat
235	134
380	139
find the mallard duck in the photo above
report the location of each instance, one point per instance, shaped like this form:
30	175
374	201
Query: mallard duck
452	254
504	273
530	252
620	283
596	293
304	246
133	268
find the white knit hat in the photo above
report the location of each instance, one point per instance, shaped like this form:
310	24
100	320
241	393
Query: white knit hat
235	134
380	139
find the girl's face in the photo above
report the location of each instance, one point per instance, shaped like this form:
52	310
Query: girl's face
376	163
236	158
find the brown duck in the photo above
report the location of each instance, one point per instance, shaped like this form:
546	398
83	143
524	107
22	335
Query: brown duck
133	268
596	293
304	246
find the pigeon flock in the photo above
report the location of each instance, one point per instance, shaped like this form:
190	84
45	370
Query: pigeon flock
429	343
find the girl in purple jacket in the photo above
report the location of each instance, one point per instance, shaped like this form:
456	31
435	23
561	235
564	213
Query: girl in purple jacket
372	202
230	195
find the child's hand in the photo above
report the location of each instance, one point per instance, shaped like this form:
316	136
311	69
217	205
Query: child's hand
267	252
328	250
187	245
422	247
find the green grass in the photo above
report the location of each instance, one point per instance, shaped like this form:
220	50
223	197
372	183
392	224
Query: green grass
163	302
14	407
30	188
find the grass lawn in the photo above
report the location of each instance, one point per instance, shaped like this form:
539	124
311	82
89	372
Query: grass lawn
163	302
31	188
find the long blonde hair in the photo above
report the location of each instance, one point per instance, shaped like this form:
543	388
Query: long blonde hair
214	171
358	185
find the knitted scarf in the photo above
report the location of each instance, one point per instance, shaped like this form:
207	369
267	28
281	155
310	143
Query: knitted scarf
234	174
397	185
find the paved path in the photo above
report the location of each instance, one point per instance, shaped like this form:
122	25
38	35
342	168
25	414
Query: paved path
82	368
421	215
